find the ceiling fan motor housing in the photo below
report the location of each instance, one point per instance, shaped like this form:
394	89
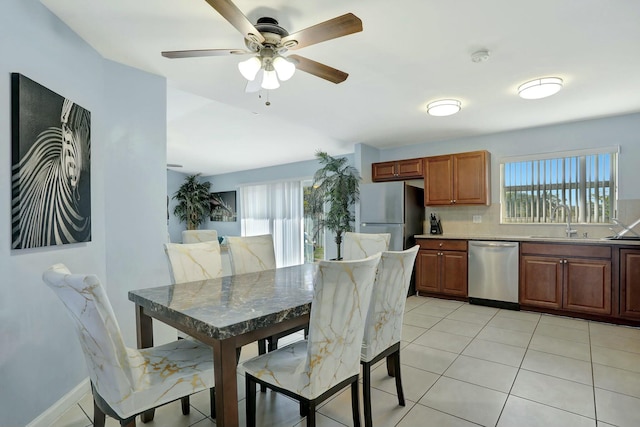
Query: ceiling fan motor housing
272	33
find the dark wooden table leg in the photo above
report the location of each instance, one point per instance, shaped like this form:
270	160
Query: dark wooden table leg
224	366
144	334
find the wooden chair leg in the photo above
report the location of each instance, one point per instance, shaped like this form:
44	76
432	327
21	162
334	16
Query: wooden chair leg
147	416
304	409
212	401
131	422
396	358
98	416
250	409
311	414
366	394
273	343
186	408
355	405
262	346
390	366
262	349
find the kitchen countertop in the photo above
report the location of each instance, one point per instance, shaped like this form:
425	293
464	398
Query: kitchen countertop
548	239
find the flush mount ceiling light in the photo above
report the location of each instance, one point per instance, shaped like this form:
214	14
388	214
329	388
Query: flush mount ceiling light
540	88
443	107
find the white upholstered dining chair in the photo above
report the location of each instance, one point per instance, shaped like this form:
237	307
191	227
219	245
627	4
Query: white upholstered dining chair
250	254
189	262
362	245
314	369
126	382
198	236
383	328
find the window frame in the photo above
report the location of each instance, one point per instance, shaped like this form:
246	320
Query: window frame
573	192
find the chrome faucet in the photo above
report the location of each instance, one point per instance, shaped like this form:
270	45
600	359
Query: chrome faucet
567	210
625	228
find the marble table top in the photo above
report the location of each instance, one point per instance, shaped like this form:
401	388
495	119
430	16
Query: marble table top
232	305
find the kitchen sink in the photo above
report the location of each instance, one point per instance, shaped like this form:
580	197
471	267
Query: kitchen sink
637	238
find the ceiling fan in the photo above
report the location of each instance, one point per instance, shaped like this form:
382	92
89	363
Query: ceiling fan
267	42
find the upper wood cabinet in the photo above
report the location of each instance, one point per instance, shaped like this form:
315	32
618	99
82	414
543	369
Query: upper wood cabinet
397	170
457	179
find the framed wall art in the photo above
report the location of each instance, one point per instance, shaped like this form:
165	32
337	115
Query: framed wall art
223	206
50	167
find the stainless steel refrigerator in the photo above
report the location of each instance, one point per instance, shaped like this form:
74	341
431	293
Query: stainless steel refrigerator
392	207
396	208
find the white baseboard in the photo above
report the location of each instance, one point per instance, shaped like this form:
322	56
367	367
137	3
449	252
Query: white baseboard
48	417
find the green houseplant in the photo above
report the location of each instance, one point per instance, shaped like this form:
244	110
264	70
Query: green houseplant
336	184
193	202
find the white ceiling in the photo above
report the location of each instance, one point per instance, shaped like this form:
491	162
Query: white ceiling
409	53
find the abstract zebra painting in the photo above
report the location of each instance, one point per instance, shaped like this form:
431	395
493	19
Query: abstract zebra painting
50	172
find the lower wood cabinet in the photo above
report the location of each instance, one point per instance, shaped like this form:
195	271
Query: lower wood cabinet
630	283
567	277
441	267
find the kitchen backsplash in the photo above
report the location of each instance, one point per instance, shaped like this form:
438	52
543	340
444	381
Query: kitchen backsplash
459	220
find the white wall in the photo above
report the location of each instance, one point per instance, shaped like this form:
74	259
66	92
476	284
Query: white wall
40	358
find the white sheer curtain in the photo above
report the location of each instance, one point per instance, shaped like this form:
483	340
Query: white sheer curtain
277	209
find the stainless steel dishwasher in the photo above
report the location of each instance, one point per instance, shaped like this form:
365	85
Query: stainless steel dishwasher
493	274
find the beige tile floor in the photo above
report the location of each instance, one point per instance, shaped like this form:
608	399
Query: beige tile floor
466	365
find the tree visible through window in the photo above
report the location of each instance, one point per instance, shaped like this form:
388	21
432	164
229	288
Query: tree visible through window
586	181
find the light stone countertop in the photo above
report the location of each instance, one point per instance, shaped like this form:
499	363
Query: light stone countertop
546	239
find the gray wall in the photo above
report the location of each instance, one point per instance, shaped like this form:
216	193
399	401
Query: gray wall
603	132
619	130
40	358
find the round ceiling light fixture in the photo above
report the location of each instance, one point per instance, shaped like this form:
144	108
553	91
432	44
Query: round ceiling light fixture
540	88
443	107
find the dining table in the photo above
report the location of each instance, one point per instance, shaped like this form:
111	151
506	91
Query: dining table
227	313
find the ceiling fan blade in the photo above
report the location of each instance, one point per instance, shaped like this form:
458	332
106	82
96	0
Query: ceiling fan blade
231	13
327	30
173	54
318	69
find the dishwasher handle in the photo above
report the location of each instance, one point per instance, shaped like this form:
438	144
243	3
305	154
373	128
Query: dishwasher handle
494	244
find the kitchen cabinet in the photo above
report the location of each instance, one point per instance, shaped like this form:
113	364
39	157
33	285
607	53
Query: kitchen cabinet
630	283
397	170
566	277
442	267
457	179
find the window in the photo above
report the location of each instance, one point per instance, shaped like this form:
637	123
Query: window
276	209
533	186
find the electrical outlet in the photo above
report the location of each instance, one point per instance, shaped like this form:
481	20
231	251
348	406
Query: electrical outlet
477	219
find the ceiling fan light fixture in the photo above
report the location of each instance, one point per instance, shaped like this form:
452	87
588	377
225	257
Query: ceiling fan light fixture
250	67
443	107
284	68
540	88
270	79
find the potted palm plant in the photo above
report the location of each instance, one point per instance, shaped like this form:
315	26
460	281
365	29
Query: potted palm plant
336	184
193	202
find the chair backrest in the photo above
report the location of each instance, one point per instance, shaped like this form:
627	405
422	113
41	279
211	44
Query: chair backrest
198	236
383	327
341	297
362	245
189	262
251	253
100	337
